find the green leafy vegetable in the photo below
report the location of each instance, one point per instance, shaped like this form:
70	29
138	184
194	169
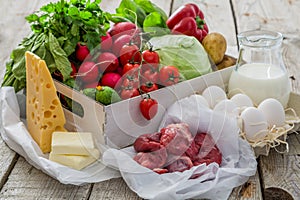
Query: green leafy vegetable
56	30
84	18
130	10
155	25
149	7
184	52
60	56
144	13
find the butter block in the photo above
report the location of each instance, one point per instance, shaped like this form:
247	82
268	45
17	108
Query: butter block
44	111
74	143
75	161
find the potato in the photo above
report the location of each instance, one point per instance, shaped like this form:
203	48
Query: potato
215	45
226	62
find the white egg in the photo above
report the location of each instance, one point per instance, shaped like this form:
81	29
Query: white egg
242	100
274	111
254	124
228	107
213	95
202	100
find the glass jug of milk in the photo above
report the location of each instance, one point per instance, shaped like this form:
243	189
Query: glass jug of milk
260	72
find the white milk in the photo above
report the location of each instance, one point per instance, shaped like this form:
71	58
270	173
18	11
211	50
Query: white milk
260	81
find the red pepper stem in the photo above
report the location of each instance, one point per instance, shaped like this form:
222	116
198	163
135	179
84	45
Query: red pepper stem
200	22
147	96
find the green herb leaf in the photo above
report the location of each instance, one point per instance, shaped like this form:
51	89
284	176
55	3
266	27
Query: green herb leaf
60	57
130	10
155	25
150	7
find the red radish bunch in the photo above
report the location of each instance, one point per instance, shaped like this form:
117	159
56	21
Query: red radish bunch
82	52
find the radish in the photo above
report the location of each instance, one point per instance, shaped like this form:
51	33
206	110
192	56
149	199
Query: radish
88	72
106	42
128	28
107	62
119	43
110	79
81	52
74	69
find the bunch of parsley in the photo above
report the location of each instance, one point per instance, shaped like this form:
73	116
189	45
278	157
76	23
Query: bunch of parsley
56	30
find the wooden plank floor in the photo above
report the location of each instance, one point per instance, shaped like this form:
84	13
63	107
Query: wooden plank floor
279	172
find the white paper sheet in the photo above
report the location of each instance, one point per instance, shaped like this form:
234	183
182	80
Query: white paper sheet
237	166
238	162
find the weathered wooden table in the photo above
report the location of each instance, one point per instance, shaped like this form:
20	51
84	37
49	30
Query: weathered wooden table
278	175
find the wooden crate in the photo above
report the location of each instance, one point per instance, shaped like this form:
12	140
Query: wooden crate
117	125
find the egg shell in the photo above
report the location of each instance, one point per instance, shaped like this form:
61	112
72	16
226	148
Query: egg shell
254	124
273	111
242	100
202	100
228	107
214	94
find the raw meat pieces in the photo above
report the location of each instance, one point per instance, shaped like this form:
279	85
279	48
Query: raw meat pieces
174	149
147	142
181	164
152	160
176	138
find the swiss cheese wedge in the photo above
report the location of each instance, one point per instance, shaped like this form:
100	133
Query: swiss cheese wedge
43	109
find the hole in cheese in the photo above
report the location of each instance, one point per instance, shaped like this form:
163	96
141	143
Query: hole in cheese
54	116
55	102
32	115
44	127
52	107
50	124
36	106
47	114
48	85
37	88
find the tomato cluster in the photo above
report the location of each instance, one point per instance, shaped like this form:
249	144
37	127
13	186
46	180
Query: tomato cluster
125	62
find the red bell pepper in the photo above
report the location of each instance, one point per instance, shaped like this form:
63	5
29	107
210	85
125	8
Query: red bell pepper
188	20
